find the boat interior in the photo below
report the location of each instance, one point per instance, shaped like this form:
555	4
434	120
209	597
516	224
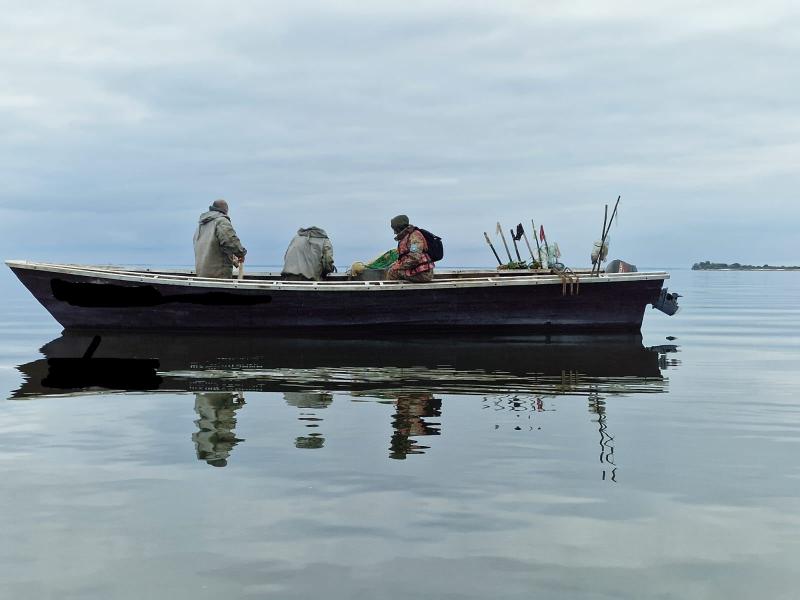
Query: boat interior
378	274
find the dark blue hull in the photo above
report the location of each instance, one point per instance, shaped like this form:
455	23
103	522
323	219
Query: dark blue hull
109	303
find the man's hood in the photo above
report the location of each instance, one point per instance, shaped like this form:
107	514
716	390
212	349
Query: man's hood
312	232
211	215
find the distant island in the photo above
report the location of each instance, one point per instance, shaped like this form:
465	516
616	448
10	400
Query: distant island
712	266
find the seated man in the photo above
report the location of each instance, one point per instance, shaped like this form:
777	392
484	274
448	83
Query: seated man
413	262
216	246
309	256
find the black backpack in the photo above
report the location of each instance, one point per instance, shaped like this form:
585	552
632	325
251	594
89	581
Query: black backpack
435	247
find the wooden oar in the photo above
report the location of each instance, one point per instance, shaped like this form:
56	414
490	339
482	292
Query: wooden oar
503	237
92	348
488	241
521	232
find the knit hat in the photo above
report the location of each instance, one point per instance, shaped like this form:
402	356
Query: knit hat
399	223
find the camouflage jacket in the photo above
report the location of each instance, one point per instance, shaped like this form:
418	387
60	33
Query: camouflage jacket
413	252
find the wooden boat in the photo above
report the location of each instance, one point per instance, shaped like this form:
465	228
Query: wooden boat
523	301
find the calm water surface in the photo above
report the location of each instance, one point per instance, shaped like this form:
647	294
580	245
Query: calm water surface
511	468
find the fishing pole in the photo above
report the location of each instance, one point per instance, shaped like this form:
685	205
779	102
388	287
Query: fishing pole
596	263
605	232
536	239
514	239
500	231
613	214
521	233
546	245
488	241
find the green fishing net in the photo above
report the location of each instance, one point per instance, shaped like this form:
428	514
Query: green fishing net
384	261
518	265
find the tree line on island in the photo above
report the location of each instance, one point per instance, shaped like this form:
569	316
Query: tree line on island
707	265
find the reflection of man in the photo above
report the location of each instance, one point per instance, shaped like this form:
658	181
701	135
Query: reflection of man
309	400
409	422
215	438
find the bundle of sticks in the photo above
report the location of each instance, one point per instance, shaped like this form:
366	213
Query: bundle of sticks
602	251
536	262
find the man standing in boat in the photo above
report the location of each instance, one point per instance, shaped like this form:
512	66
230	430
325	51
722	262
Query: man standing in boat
217	248
413	261
309	256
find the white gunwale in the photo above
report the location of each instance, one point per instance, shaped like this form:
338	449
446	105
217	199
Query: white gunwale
441	281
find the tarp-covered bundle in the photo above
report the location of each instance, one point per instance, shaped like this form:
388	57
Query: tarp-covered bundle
384	261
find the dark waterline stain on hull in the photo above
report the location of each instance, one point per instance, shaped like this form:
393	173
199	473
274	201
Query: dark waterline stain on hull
104	295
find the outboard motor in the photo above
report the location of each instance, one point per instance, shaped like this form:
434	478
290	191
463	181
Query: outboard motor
667	303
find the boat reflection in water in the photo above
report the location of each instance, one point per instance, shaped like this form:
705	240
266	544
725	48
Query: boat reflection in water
510	373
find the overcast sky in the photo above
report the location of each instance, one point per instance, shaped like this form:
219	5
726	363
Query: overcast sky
121	121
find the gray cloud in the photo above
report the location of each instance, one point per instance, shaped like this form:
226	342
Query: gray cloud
120	123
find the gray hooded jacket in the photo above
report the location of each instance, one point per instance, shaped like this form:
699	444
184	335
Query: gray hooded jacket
310	254
215	245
